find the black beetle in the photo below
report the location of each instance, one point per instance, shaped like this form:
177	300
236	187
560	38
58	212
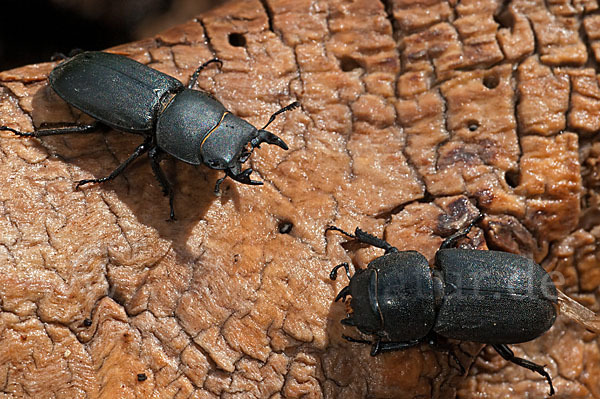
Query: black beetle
491	297
190	125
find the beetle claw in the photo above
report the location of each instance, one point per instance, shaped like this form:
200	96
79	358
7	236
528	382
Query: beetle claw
264	136
244	177
343	293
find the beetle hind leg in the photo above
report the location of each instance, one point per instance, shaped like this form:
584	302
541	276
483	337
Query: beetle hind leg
509	355
53	131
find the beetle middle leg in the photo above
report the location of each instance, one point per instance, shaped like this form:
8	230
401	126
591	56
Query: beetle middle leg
509	355
379	346
441	344
155	157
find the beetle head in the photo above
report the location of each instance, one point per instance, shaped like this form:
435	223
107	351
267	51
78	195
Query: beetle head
365	315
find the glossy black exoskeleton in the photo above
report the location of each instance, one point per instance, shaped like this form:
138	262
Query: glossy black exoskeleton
190	125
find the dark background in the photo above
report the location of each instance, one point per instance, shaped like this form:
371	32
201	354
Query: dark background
31	31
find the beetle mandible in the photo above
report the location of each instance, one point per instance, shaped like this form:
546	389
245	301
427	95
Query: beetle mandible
491	297
190	125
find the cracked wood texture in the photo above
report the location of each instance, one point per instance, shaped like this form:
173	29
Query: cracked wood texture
415	114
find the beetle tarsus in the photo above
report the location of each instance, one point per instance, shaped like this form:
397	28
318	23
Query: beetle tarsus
509	355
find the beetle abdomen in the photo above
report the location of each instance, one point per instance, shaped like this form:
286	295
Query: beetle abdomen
113	89
493	297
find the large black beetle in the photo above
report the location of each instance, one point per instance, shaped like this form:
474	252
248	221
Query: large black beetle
190	125
491	297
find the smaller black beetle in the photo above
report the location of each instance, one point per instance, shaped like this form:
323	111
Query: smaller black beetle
491	297
190	125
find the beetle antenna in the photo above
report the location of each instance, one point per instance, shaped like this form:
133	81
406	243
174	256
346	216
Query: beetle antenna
293	105
334	228
194	76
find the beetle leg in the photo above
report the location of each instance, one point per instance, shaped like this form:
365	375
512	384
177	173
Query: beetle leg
508	354
218	184
367	238
440	343
142	148
451	241
348	321
155	156
390	346
194	76
54	131
380	346
333	274
244	156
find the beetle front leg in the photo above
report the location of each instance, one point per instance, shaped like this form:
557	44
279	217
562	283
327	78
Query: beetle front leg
451	241
155	157
509	355
367	238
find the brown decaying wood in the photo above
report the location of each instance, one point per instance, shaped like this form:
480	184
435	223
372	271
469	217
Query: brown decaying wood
413	113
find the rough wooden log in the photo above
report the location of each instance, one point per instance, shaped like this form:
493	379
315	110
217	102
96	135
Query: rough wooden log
414	114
